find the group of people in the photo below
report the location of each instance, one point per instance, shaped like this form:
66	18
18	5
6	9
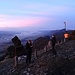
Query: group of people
17	43
53	43
29	48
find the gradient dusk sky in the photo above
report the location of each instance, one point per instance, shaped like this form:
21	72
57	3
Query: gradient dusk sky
37	14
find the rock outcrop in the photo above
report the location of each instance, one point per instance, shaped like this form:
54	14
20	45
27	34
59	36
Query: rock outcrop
46	64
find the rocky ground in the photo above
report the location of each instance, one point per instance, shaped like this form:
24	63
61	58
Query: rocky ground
46	64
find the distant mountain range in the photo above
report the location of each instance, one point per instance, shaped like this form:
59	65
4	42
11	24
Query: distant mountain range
24	35
6	36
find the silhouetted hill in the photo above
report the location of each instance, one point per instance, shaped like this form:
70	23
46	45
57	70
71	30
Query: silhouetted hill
45	64
38	42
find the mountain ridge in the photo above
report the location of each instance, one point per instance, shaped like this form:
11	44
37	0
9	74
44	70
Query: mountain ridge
47	63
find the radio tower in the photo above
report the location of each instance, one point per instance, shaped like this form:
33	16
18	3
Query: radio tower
65	25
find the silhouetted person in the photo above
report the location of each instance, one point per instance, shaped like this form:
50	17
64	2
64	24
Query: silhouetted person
53	40
16	41
18	50
66	36
29	51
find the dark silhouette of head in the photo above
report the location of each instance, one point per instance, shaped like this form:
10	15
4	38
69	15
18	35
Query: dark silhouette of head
16	41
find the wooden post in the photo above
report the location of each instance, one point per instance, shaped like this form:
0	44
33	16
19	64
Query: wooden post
15	61
61	41
46	48
35	53
49	43
15	58
64	40
58	43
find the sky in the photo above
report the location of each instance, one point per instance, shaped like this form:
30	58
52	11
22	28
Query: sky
37	14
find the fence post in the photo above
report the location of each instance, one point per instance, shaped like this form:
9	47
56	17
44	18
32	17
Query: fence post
61	41
49	43
64	40
16	58
15	61
35	53
58	43
46	48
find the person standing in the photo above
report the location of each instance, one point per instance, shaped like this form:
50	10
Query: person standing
53	40
29	51
66	36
